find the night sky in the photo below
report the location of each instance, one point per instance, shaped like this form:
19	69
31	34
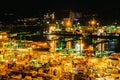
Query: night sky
106	9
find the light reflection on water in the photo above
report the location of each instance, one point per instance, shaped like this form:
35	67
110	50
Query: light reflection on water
112	45
108	46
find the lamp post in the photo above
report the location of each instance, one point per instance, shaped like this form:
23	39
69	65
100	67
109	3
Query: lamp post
92	23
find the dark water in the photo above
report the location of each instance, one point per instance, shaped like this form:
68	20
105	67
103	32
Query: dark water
112	46
38	31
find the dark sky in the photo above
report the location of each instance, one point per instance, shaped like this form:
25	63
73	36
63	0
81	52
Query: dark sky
26	6
104	8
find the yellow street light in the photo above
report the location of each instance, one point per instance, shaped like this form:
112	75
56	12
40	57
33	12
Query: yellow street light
93	22
68	23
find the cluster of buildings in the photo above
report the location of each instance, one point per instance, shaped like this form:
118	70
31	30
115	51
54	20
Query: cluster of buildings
68	47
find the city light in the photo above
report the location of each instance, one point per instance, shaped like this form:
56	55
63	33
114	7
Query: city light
93	22
49	48
68	24
79	47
